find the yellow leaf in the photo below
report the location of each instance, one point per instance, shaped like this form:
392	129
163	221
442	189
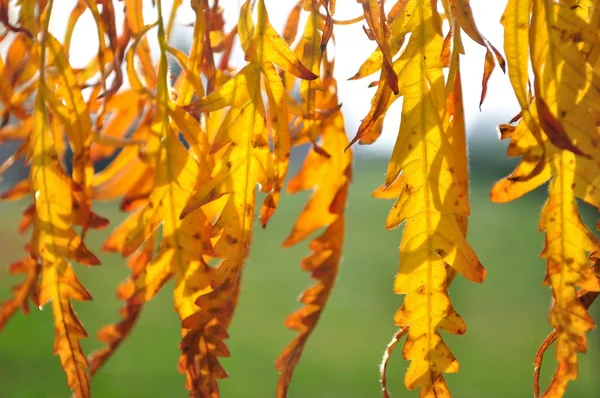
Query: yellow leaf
268	46
558	140
432	201
186	243
567	239
247	160
79	127
53	241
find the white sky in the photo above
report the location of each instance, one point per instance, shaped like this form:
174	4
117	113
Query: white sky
352	48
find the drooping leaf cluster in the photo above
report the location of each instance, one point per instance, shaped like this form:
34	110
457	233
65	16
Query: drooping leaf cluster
187	155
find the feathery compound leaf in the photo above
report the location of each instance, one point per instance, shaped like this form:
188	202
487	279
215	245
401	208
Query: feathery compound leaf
115	334
176	176
326	171
432	201
325	208
566	95
568	240
184	243
246	160
54	240
186	153
587	299
79	126
203	331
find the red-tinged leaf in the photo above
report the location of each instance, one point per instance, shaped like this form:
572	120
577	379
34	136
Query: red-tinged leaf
28	218
125	172
375	18
291	26
122	109
461	11
554	129
380	103
4	18
21	292
328	177
202	342
17	191
114	335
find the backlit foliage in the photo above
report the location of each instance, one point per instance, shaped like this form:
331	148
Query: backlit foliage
187	154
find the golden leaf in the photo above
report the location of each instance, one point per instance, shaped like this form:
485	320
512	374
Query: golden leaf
432	190
54	240
557	139
247	160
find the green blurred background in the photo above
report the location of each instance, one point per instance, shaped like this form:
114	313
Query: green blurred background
506	315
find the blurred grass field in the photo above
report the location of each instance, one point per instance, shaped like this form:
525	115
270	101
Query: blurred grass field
507	316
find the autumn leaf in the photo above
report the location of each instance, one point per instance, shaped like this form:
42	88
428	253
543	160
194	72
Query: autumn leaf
247	160
567	239
587	299
461	11
22	292
120	115
54	240
326	171
380	32
182	139
114	334
78	128
176	175
400	27
423	171
563	115
325	209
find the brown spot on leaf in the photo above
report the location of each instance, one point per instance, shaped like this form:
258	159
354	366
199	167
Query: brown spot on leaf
231	239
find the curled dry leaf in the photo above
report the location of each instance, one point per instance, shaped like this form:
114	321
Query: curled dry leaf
386	358
463	15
